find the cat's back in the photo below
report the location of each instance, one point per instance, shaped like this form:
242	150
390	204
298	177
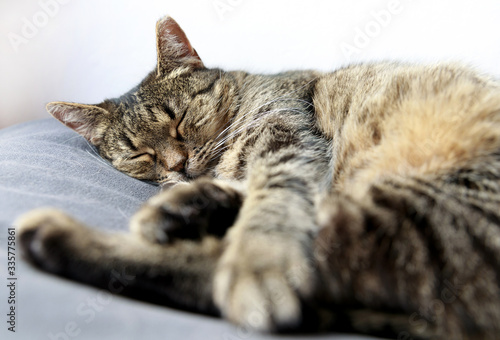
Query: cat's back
386	88
420	118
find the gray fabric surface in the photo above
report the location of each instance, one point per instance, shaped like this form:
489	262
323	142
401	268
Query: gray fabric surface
42	163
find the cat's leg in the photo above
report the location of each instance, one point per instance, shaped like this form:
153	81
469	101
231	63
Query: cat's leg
189	211
266	276
428	247
179	274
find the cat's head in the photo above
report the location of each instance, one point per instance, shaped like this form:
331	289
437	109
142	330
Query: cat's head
167	128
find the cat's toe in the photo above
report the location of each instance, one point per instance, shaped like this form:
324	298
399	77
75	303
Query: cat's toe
162	223
42	236
264	303
264	290
187	211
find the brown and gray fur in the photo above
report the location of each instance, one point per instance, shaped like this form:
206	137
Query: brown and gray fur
366	199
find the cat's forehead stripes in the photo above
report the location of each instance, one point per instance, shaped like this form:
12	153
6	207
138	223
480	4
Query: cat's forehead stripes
166	108
207	89
128	141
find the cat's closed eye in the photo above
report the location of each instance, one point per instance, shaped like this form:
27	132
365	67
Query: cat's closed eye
145	157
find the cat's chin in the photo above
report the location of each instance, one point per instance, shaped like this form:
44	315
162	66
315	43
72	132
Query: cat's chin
170	184
173	179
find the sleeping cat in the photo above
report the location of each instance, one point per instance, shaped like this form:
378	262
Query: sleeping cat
365	199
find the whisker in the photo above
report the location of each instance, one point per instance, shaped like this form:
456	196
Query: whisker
246	114
239	128
100	159
216	148
74	137
92	152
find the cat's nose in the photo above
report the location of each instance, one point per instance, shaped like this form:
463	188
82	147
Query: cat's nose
175	161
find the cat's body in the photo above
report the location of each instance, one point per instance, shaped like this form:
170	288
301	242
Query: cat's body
366	198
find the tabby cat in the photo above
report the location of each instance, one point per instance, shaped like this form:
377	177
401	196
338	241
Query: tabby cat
367	199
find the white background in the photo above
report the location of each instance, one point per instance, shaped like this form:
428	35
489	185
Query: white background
87	50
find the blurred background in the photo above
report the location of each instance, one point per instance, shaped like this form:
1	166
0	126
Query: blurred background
88	50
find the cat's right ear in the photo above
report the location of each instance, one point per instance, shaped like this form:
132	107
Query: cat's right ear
82	118
173	47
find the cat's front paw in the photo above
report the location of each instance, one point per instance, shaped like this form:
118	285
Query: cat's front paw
262	281
45	238
188	211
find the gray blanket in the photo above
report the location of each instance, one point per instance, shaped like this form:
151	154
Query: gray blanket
42	163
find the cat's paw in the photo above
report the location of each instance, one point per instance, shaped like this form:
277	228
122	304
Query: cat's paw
45	236
188	211
262	282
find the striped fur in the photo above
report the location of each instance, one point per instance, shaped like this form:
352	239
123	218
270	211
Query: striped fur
365	199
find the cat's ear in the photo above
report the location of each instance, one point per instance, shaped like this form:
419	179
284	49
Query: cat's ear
82	118
173	47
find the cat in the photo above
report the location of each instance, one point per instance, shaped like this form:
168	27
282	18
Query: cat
365	199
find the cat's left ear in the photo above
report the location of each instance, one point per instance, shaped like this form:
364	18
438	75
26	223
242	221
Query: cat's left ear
82	118
173	47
